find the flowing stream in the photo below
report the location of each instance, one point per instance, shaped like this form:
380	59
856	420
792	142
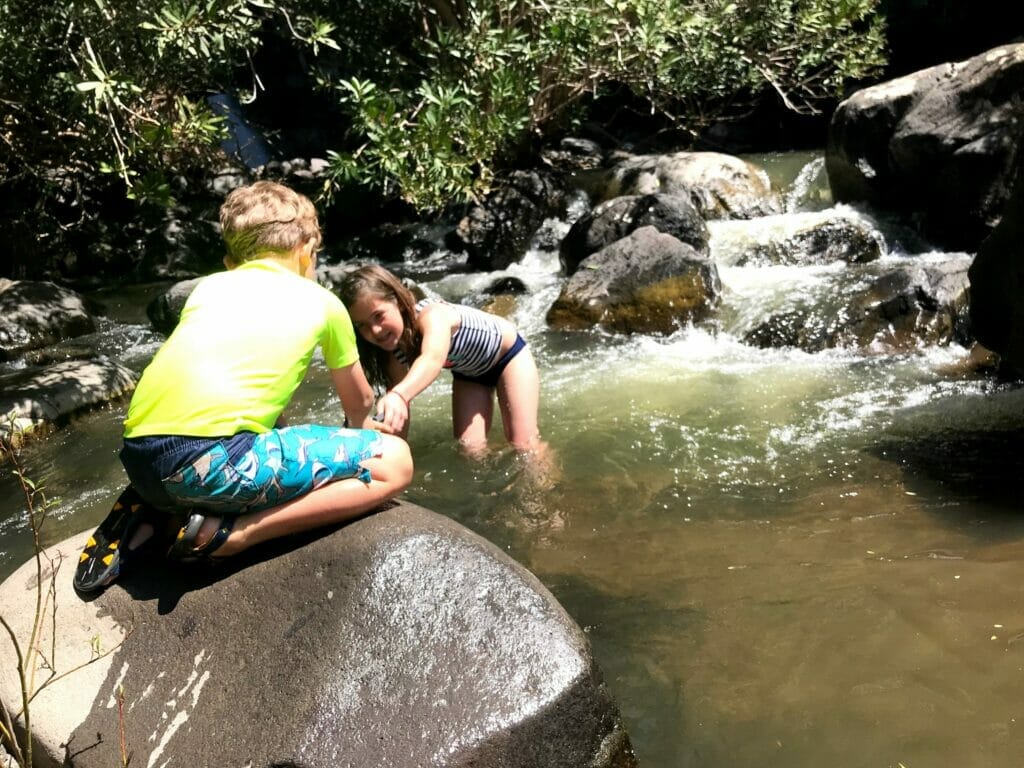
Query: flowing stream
780	558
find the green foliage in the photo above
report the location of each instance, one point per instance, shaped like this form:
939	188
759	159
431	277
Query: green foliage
488	76
103	99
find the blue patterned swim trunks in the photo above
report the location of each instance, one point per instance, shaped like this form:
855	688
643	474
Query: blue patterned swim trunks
277	466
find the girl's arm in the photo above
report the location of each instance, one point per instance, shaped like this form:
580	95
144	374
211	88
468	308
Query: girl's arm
436	324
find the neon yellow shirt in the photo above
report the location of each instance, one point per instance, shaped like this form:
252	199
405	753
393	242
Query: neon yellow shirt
241	348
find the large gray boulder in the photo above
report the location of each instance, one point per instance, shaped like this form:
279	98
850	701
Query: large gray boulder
35	314
402	639
647	282
614	219
939	146
720	186
997	286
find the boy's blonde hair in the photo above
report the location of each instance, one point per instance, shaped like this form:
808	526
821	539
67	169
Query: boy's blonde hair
267	219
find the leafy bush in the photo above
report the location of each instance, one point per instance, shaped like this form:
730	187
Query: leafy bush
488	76
104	99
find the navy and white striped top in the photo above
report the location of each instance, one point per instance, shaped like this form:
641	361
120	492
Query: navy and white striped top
475	343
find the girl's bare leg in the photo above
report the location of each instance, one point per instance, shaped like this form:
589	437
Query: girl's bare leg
472	413
335	502
519	398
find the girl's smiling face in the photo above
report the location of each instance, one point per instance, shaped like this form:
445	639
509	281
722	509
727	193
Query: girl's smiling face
378	321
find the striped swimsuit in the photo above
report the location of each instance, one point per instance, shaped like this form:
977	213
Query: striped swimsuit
475	343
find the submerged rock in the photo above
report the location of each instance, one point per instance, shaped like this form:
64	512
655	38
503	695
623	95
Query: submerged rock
402	639
797	239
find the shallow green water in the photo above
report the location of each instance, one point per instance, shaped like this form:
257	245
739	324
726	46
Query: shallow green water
781	559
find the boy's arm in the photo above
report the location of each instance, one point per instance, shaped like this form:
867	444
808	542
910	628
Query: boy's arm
355	394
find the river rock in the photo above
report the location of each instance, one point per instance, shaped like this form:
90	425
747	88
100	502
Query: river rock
614	219
34	314
939	146
498	231
574	154
48	395
901	309
720	186
402	639
647	282
997	286
163	311
798	239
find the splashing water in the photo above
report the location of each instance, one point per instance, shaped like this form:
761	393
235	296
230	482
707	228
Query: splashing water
780	557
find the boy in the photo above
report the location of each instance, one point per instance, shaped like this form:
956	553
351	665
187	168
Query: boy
201	435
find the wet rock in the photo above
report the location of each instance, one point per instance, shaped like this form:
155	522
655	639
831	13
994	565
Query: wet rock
939	146
719	186
35	314
997	286
802	239
391	242
901	309
163	311
497	232
616	218
506	286
549	236
48	395
647	282
402	639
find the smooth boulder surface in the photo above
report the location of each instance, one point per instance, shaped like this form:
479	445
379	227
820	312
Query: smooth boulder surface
402	639
940	146
720	186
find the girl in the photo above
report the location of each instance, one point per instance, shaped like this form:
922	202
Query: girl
404	345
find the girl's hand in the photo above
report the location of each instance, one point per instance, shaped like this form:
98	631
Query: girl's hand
393	412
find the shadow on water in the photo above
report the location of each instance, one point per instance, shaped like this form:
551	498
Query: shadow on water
976	466
634	665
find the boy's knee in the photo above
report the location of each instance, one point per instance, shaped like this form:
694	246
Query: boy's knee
398	458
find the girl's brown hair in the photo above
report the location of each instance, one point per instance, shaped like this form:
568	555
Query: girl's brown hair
378	282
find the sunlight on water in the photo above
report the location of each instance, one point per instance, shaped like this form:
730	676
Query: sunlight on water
780	557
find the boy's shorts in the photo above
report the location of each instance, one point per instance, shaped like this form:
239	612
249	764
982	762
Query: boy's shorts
246	472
